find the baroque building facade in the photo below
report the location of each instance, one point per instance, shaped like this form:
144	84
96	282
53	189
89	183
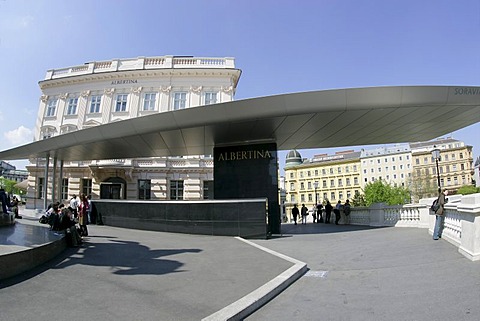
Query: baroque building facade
102	92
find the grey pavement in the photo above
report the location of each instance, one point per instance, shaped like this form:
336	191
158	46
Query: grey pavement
356	273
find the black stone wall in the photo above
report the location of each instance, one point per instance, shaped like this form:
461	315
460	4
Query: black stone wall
249	171
246	218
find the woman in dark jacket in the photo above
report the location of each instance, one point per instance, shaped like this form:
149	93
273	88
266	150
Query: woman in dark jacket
440	214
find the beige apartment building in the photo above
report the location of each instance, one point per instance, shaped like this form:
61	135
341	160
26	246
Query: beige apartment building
320	179
455	166
340	176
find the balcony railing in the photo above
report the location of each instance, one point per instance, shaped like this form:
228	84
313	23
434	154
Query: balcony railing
141	63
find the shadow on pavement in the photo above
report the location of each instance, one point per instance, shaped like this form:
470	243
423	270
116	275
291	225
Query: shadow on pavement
126	258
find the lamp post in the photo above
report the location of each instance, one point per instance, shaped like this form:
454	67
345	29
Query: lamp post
436	156
315	184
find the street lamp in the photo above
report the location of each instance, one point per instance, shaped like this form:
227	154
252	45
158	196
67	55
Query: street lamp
436	156
315	184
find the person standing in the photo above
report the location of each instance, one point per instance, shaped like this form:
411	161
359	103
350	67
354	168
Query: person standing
338	211
328	212
82	215
4	201
304	212
73	206
440	214
319	213
347	210
295	213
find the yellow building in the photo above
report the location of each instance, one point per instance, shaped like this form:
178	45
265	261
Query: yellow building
455	166
320	179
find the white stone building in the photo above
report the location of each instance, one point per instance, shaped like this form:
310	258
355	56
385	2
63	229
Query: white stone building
391	164
102	92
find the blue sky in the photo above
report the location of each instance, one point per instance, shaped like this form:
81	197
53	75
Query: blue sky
281	46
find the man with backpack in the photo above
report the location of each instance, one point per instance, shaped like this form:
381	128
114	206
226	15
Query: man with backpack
346	210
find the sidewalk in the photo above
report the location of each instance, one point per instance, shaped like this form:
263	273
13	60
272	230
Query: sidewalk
356	273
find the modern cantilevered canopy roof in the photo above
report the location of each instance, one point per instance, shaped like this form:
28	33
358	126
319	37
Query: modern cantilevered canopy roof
317	119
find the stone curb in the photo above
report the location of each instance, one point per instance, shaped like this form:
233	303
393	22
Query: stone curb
243	307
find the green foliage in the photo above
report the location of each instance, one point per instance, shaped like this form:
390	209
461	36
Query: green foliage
358	199
468	189
9	186
380	192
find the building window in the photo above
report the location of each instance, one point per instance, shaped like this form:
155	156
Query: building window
144	189
291	175
325	196
310	199
121	103
40	186
292	186
64	189
332	183
292	198
349	194
302	198
340	195
316	172
176	190
355	181
302	186
332	196
461	155
210	98
179	100
72	106
51	108
348	181
207	190
87	186
309	185
324	183
95	104
340	182
149	101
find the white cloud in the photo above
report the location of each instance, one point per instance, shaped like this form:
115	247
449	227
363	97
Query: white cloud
1	115
19	136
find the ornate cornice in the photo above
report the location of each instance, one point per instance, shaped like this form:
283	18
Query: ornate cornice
136	90
44	98
85	93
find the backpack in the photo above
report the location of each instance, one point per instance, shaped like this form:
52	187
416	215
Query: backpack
347	210
435	206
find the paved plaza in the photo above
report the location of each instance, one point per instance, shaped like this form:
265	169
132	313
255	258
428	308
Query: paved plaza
355	273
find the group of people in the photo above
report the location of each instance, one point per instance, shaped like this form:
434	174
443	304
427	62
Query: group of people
321	214
8	203
62	218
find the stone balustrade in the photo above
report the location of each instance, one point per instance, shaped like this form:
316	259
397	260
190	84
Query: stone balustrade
141	63
462	220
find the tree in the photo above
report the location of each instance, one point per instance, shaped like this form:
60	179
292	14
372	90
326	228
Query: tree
381	192
358	199
9	185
